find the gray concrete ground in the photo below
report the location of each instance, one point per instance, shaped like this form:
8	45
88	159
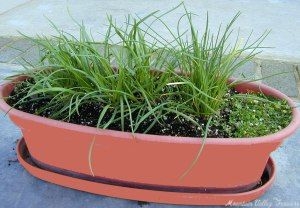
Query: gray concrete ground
282	16
19	189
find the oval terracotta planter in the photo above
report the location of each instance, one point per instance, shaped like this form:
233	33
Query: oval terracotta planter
233	164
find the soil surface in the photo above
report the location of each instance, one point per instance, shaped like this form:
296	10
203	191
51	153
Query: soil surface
88	114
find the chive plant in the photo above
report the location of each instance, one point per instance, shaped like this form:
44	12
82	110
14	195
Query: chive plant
206	63
121	81
146	77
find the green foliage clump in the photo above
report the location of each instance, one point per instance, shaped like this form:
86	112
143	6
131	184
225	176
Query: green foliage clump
258	116
144	76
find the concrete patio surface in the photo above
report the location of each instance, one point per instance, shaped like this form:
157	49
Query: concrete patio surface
281	16
18	189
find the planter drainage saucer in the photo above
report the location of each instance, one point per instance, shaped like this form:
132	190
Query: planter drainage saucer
149	193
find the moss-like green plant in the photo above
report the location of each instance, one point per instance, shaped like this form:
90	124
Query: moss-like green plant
253	116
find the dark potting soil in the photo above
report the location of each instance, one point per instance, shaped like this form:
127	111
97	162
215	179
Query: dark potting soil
88	115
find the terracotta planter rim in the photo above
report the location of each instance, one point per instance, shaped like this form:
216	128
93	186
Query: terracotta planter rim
5	89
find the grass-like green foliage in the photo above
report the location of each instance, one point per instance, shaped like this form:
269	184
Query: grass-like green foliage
210	62
147	76
121	80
